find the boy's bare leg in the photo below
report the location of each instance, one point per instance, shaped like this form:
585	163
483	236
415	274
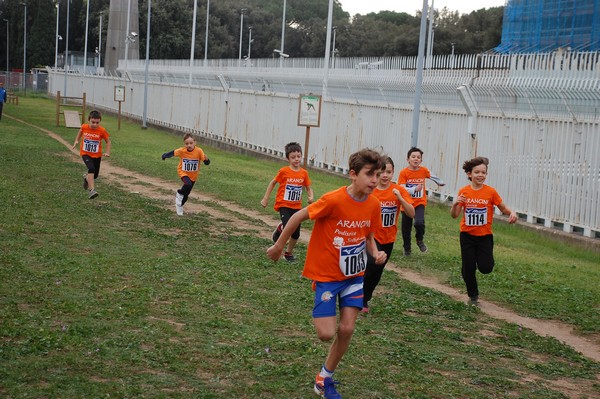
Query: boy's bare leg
291	245
90	180
326	330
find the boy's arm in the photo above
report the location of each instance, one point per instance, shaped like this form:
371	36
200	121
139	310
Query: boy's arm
457	206
378	255
265	200
512	216
409	209
437	180
275	250
108	145
168	155
79	133
311	194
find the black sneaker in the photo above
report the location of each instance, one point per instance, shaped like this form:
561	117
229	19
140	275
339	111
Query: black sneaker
277	233
473	300
85	182
289	257
407	252
422	246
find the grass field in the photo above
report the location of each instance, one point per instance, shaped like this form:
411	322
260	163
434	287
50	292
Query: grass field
119	297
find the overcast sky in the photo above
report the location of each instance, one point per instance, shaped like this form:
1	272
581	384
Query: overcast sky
411	6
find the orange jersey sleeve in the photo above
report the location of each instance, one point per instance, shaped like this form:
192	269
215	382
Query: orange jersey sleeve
189	162
410	178
390	210
291	183
337	247
91	140
478	210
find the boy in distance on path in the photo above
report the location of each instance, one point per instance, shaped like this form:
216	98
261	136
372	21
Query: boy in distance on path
414	175
90	149
188	168
343	234
288	200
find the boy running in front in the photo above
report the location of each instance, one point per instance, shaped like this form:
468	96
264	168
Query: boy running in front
345	221
291	180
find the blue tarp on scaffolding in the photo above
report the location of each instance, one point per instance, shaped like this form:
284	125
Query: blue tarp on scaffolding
546	25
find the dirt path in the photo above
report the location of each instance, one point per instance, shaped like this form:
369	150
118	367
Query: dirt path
155	188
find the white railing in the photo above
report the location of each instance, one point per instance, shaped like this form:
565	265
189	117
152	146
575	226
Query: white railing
537	119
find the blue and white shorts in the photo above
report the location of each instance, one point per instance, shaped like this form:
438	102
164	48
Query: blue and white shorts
348	292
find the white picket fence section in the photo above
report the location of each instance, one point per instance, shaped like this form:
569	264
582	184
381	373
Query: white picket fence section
537	117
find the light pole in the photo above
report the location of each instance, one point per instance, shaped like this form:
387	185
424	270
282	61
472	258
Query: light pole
333	51
66	61
87	18
282	34
57	36
7	42
144	119
100	43
241	32
193	41
24	46
249	45
452	44
206	34
127	35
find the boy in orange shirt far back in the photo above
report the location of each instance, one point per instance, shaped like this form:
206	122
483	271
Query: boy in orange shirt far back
413	175
288	200
342	236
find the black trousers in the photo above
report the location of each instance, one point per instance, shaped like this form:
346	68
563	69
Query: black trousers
477	254
285	214
373	272
186	189
407	225
93	164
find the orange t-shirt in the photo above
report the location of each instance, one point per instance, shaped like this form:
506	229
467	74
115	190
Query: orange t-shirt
390	209
478	210
189	162
337	248
289	193
410	178
91	140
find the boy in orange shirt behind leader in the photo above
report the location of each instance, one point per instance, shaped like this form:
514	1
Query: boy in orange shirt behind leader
288	200
188	168
413	175
90	149
476	203
342	236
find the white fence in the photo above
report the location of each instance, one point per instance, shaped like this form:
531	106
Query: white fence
536	117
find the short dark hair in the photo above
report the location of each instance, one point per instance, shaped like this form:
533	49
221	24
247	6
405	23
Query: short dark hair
187	136
292	147
95	115
390	161
365	157
413	149
471	163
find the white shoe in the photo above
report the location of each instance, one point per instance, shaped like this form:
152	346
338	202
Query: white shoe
179	210
178	199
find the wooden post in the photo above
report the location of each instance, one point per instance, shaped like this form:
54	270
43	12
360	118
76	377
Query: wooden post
57	108
306	140
83	112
